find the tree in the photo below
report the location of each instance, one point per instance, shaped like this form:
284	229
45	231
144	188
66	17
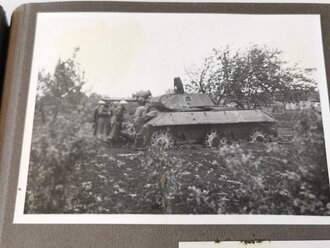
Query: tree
60	90
251	78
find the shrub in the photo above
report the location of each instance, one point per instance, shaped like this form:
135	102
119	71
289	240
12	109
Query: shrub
276	178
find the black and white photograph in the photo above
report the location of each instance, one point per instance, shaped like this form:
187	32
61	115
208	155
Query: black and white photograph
176	118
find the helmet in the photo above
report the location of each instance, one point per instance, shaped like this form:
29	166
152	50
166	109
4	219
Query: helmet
123	102
101	102
141	99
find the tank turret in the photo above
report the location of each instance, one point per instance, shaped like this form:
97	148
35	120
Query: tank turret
184	102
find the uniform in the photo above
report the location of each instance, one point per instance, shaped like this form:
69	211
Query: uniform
138	122
117	122
101	120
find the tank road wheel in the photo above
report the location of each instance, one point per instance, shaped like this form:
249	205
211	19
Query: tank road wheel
162	139
213	139
223	141
258	136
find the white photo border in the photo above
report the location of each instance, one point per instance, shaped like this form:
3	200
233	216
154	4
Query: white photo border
154	219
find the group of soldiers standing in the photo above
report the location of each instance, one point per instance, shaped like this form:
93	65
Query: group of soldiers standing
108	121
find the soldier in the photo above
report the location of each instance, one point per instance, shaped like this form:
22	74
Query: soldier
107	123
112	108
112	111
101	118
139	120
149	113
117	121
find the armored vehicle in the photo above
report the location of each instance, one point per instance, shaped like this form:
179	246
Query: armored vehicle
194	117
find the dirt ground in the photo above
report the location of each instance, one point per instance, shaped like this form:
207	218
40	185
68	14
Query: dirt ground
123	180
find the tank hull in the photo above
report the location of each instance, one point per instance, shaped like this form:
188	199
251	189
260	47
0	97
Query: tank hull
196	126
210	118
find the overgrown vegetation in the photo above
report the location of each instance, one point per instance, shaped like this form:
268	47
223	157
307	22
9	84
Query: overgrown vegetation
279	179
71	171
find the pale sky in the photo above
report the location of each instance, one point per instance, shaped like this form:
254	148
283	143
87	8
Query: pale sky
123	53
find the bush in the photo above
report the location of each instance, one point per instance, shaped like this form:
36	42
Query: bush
56	148
280	179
